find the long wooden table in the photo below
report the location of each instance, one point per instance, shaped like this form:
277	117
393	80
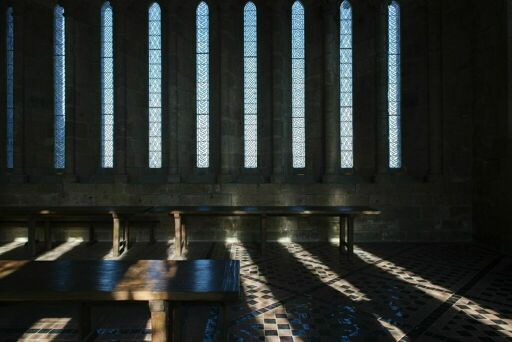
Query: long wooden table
159	282
346	215
119	216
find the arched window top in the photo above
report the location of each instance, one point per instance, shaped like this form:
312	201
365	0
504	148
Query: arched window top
298	8
106	7
59	10
154	11
202	9
346	8
250	6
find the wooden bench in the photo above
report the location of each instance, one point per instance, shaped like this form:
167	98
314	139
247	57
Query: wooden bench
346	215
159	282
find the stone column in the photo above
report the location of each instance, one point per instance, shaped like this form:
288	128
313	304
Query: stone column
382	148
281	45
71	66
435	88
231	91
331	87
120	89
170	91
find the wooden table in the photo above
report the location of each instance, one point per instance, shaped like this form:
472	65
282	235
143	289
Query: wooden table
155	281
119	216
346	215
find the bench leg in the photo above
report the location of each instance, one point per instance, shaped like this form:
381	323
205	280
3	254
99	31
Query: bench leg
116	232
343	234
92	234
126	235
350	236
32	238
47	235
86	334
263	233
184	237
159	317
177	235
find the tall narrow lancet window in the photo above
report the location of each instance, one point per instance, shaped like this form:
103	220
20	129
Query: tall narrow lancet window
250	87
155	87
107	86
10	86
298	88
395	153
59	72
202	86
346	92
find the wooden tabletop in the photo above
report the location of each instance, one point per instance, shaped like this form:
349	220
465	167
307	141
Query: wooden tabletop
101	280
269	210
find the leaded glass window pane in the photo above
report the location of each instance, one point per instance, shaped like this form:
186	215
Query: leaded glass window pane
202	86
395	157
346	89
250	87
59	72
155	86
298	87
10	86
107	86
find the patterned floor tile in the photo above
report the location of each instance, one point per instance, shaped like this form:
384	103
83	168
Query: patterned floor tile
306	319
395	303
442	277
293	274
495	287
468	320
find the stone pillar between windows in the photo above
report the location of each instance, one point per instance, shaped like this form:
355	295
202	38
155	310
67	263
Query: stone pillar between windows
331	90
231	92
281	64
382	148
170	92
18	173
435	88
120	89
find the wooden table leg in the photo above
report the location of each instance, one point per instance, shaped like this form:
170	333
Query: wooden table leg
350	236
159	318
32	237
184	236
116	232
47	235
176	321
92	234
177	234
343	234
263	233
86	334
126	235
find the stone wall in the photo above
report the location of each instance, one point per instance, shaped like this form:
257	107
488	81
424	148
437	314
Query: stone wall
493	125
429	199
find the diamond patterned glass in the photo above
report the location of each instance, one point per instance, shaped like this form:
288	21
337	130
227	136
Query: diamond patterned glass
10	86
107	86
346	108
202	86
250	86
298	87
59	59
395	140
155	86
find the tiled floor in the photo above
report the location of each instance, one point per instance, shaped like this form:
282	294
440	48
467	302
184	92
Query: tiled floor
306	292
